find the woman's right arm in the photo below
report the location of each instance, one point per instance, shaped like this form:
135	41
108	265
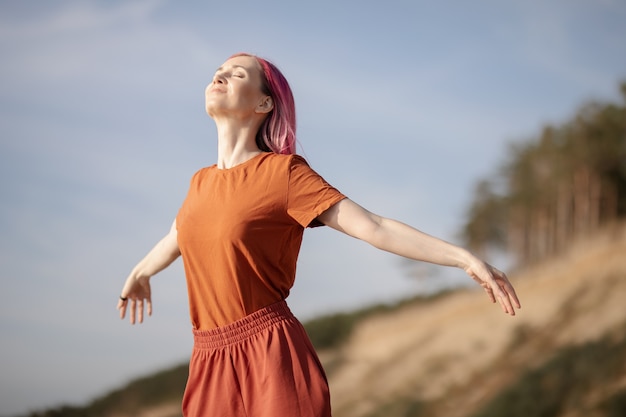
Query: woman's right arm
137	286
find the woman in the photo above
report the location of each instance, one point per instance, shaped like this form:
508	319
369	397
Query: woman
239	232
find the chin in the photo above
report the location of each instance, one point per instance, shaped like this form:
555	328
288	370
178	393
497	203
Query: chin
210	110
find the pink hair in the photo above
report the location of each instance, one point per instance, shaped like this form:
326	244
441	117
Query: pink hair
278	131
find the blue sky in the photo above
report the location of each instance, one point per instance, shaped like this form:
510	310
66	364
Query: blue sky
402	105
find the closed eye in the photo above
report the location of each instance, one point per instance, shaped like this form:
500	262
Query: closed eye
236	71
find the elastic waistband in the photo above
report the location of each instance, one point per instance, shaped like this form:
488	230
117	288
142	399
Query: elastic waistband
242	329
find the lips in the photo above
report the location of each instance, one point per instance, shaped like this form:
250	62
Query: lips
216	89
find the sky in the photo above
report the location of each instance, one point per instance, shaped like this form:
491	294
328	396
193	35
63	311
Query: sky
402	105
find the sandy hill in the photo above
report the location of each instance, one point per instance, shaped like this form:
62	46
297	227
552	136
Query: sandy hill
458	355
452	356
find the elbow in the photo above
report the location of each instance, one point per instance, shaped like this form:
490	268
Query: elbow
373	231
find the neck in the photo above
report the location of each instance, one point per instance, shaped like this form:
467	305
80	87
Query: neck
235	144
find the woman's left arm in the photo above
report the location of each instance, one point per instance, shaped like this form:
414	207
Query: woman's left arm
404	240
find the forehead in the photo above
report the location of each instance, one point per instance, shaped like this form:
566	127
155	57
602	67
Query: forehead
248	63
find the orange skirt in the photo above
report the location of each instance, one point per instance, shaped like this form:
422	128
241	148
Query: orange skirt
260	366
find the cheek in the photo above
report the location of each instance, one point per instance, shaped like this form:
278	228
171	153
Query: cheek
250	94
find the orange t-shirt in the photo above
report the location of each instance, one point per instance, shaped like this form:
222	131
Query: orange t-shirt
240	230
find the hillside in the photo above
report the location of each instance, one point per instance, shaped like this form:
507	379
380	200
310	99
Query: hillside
457	355
452	356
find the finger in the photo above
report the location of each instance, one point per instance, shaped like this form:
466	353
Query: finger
133	312
121	306
505	301
149	303
507	288
506	292
503	304
140	310
511	292
488	290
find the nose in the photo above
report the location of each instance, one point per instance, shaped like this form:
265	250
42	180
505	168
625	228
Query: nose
218	78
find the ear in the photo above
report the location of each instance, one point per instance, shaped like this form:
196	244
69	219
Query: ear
265	105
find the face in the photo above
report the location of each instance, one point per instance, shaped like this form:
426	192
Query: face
236	89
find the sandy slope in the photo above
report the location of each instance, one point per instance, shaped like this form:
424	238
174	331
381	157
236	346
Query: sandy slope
445	347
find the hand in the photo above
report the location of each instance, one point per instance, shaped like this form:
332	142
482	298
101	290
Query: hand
496	285
135	294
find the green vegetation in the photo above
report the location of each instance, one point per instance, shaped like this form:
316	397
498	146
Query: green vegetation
615	405
569	181
161	388
401	407
563	383
330	331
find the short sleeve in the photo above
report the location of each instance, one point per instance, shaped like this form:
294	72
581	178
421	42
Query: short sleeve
309	195
182	211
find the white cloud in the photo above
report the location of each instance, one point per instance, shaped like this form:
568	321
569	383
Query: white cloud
95	47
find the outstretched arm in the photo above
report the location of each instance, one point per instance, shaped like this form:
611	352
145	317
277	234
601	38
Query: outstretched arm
401	239
136	290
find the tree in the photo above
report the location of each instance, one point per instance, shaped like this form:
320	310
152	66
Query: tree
566	183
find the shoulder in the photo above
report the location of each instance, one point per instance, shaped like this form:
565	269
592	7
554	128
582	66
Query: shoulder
285	161
298	160
202	173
